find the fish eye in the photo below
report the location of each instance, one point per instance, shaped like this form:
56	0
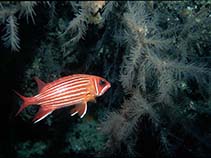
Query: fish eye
102	82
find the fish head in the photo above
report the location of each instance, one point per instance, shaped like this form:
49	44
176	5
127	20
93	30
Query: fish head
101	85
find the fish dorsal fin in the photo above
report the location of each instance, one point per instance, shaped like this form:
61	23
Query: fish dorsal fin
80	109
41	114
40	83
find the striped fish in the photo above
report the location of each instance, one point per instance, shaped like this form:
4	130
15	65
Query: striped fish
73	90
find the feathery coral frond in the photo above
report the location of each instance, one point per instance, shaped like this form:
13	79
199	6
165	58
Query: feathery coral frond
11	38
27	9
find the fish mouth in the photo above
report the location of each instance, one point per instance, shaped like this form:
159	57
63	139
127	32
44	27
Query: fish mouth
105	89
109	85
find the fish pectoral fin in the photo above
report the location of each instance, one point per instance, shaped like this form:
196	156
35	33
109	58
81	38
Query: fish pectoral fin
40	83
80	109
90	98
41	114
93	100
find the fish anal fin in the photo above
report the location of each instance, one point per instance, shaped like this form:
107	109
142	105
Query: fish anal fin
80	109
41	114
40	83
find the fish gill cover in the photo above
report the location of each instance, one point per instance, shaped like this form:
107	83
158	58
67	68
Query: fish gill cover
155	54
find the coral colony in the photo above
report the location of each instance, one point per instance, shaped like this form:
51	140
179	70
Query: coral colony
155	54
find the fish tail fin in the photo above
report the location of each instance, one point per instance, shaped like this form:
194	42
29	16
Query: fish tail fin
26	102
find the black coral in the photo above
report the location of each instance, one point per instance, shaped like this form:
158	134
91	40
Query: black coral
10	38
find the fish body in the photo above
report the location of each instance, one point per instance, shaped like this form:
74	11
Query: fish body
73	90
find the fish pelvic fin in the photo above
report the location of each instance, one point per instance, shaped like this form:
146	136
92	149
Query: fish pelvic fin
26	101
41	114
80	109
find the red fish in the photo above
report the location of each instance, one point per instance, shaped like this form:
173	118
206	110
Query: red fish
70	90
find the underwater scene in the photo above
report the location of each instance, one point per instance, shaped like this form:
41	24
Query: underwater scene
105	79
